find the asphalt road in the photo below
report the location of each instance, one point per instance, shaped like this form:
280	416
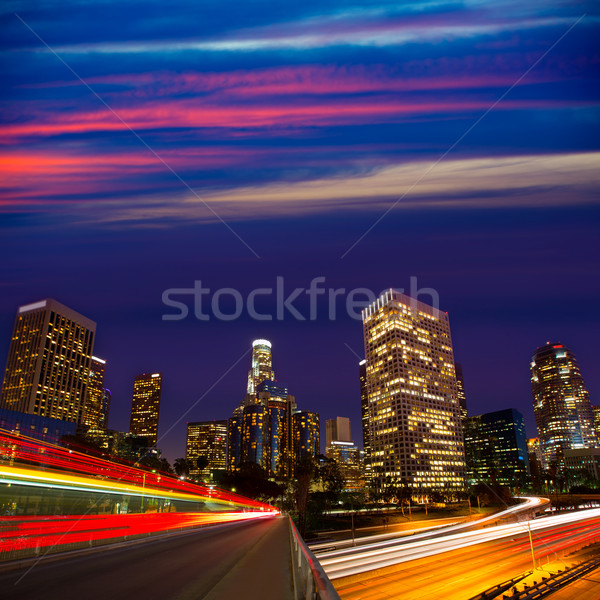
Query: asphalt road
463	573
221	562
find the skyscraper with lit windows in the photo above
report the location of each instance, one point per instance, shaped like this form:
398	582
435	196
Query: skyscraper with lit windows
415	432
261	365
48	367
563	412
261	430
145	407
93	415
206	440
307	435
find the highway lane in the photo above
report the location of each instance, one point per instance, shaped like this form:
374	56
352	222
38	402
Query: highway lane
184	566
462	573
346	562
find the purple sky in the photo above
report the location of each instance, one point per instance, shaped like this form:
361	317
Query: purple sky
144	148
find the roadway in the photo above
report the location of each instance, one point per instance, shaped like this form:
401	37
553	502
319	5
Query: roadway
220	562
462	573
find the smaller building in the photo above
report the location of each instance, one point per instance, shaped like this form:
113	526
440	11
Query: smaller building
45	429
207	441
496	448
145	407
349	460
582	466
306	434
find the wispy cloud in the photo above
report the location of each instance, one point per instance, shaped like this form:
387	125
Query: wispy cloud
504	182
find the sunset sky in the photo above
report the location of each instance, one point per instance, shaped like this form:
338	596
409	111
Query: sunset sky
147	145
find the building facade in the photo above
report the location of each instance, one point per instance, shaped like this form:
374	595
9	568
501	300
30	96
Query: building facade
563	412
415	432
496	448
49	359
340	448
307	435
93	415
206	440
460	390
145	407
338	430
364	407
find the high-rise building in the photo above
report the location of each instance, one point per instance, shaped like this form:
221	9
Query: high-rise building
261	365
145	407
460	390
93	415
260	430
206	440
413	411
344	452
364	406
496	448
563	413
307	435
48	367
338	430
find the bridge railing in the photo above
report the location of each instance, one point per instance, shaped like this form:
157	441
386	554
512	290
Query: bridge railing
309	578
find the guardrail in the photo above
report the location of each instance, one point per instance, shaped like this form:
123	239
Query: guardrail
498	589
309	578
552	584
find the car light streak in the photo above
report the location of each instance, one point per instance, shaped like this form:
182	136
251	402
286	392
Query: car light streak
20	533
341	563
429	532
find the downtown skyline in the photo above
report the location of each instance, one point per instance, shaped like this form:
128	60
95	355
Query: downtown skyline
300	126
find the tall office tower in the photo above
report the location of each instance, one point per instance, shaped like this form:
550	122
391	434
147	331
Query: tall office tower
260	430
563	413
496	448
145	407
364	406
48	366
93	414
460	390
413	411
206	440
306	434
261	365
337	429
280	406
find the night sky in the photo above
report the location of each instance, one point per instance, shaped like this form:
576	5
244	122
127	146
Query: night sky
146	146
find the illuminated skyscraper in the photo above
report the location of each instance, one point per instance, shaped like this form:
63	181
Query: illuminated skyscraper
206	440
260	430
413	410
145	407
364	405
48	367
261	365
307	435
93	415
563	413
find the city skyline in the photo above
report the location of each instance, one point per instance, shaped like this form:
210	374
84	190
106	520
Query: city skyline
177	446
